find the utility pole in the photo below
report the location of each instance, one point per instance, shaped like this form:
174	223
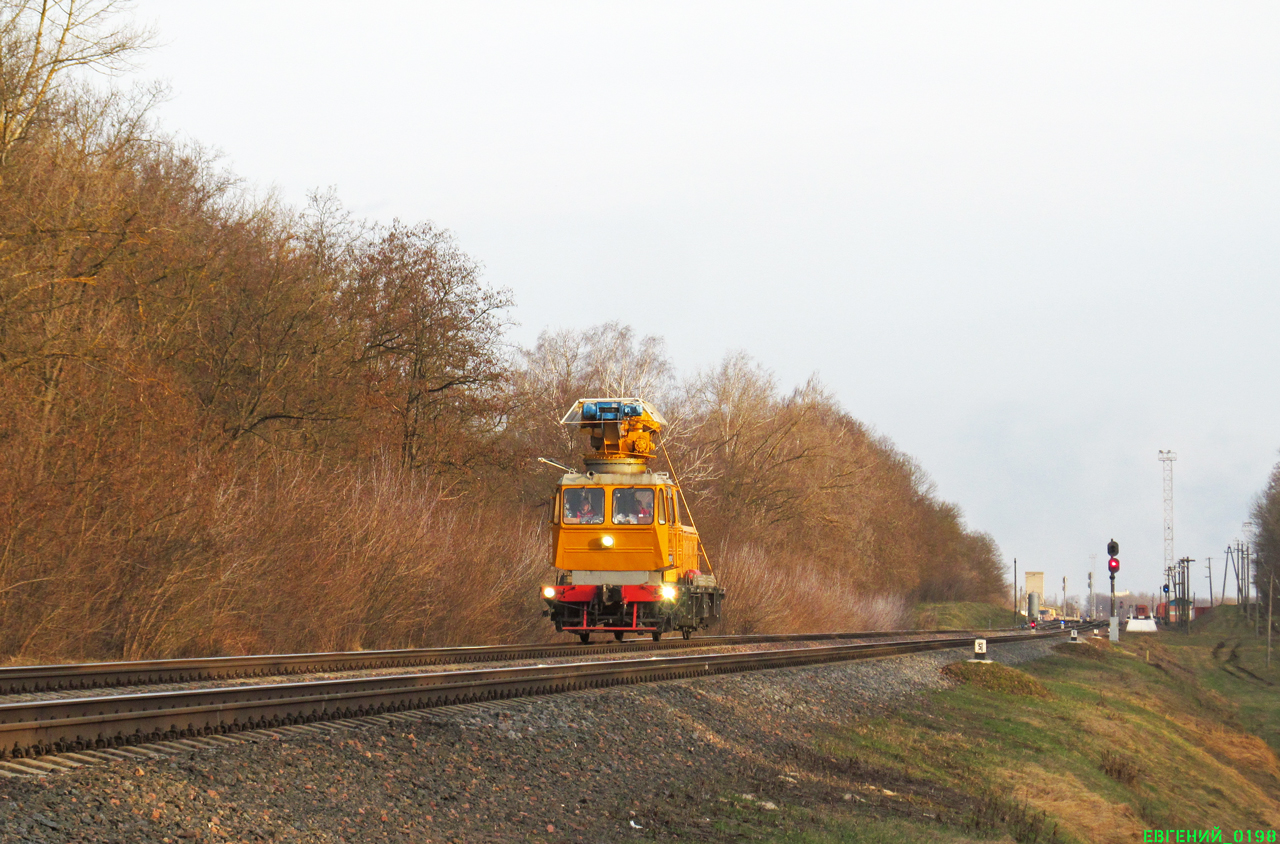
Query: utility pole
1091	607
1208	561
1093	604
1247	556
1257	610
1243	577
1235	555
1185	601
1271	591
1225	566
1244	554
1015	592
1179	591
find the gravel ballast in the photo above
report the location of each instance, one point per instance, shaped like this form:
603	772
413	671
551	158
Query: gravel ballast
679	759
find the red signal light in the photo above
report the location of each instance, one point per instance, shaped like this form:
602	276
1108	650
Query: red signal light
1113	565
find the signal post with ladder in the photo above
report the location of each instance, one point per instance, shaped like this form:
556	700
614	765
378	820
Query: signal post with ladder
1113	566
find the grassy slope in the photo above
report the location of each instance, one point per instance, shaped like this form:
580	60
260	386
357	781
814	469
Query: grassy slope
1232	661
962	616
1157	733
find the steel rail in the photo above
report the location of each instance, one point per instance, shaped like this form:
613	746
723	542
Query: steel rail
36	728
21	679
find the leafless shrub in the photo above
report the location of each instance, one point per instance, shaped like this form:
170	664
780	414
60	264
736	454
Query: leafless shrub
369	558
993	812
772	594
1120	767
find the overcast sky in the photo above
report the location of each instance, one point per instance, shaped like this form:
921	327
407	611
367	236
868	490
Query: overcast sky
1032	243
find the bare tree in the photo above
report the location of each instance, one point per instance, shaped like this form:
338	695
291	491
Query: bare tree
1266	521
432	340
566	365
40	42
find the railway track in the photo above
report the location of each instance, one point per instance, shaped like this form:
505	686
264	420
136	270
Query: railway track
25	679
40	727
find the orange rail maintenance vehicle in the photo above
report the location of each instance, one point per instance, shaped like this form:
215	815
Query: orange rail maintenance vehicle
627	553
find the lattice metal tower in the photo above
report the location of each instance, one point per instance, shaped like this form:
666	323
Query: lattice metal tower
1167	458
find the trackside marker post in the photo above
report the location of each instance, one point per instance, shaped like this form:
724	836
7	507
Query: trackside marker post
980	651
1075	640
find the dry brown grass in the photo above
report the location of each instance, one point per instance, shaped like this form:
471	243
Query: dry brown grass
300	558
1083	813
371	559
1243	750
768	593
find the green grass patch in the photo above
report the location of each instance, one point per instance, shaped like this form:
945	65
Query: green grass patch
1230	660
994	677
963	616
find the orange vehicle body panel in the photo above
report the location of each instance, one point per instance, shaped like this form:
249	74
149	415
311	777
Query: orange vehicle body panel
671	548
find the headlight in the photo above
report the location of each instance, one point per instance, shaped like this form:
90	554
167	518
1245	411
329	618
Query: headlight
548	592
668	593
606	541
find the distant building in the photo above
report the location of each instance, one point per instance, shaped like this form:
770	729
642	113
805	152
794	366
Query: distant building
1035	594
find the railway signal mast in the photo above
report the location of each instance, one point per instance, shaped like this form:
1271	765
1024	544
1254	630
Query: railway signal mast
1113	565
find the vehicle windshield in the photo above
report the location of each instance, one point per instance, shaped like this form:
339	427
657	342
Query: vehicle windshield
633	506
584	506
